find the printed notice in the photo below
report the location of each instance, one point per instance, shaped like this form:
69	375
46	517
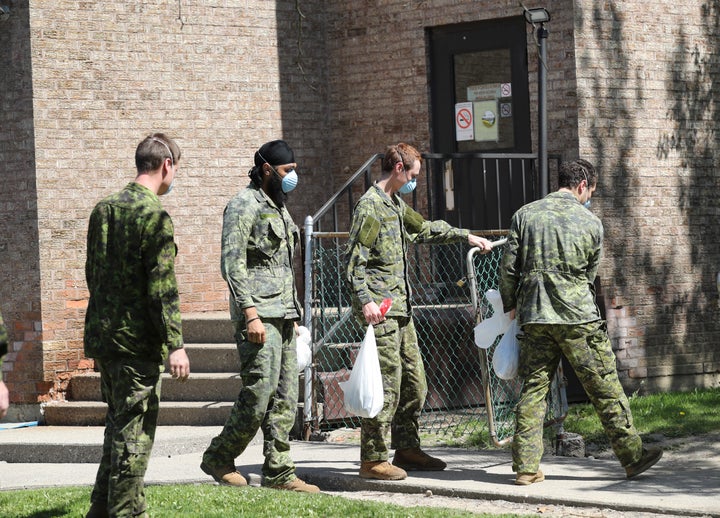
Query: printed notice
464	127
486	124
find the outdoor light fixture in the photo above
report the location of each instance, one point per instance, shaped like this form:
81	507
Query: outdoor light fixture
538	15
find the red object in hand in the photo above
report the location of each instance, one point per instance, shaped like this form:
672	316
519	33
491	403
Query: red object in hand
385	306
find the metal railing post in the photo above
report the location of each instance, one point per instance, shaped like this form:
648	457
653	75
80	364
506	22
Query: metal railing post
542	35
309	408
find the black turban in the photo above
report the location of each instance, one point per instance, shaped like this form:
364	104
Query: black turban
276	152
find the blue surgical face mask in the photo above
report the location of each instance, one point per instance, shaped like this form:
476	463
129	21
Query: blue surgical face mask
172	184
408	187
172	164
587	186
289	181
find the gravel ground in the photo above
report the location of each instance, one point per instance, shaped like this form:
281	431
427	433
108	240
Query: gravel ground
492	507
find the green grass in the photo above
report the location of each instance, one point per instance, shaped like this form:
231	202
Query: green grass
672	414
210	501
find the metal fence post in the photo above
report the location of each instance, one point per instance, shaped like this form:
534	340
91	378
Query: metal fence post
308	407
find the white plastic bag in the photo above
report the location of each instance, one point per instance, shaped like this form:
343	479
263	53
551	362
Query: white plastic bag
489	329
364	395
304	353
507	353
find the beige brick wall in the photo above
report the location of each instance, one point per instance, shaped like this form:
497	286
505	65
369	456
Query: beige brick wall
220	77
19	247
648	118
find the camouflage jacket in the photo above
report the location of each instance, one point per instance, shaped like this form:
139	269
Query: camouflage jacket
134	307
376	253
258	244
3	343
552	257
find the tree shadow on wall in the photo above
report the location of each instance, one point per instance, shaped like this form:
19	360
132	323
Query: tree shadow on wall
682	318
693	80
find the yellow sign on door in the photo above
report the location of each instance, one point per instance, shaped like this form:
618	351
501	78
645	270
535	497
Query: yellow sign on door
486	120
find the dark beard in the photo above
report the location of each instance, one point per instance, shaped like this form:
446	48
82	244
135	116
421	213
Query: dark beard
276	193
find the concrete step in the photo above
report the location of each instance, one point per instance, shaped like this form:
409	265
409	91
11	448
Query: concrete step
210	327
172	413
213	357
203	386
204	400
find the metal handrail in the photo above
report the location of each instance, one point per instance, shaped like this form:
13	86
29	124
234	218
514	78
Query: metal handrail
364	169
484	365
441	156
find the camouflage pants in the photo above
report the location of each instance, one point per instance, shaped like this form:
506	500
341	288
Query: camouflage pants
131	389
267	400
405	389
588	349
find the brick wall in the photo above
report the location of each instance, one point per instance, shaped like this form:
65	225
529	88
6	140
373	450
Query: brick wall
647	86
19	248
220	77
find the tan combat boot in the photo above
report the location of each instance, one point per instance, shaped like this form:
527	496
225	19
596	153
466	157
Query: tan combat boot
227	476
648	459
299	486
381	470
414	459
525	479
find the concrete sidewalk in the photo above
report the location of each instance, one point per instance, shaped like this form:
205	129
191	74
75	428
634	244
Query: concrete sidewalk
686	486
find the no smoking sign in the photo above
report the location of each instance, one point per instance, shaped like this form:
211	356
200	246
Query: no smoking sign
464	121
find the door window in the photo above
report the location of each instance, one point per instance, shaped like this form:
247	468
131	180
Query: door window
483	83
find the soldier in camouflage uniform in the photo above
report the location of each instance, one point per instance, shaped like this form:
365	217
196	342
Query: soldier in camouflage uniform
133	323
258	245
382	226
4	396
546	278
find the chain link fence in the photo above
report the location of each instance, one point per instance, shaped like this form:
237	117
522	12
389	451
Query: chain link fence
448	299
459	374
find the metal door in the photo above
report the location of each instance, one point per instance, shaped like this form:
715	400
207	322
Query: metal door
480	104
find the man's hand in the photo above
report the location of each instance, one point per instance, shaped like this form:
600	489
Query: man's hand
4	399
483	244
179	364
372	313
256	331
